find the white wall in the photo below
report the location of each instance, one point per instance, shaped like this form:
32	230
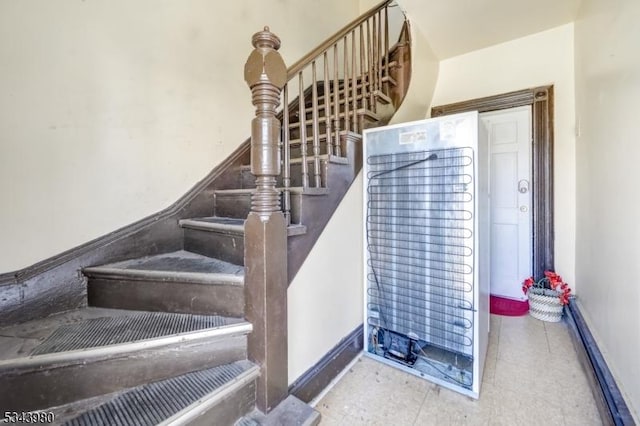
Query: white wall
608	197
111	110
536	60
325	297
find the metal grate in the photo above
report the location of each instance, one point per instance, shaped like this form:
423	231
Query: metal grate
130	328
247	421
420	229
151	404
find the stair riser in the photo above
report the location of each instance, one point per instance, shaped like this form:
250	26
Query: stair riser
239	205
294	132
63	384
232	205
249	181
321	109
164	296
296	151
362	122
225	246
229	409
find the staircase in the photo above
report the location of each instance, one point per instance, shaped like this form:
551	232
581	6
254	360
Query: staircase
162	322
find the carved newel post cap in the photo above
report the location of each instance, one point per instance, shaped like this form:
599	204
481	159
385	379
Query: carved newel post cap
265	65
265	38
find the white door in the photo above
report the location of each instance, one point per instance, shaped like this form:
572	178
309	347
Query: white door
510	142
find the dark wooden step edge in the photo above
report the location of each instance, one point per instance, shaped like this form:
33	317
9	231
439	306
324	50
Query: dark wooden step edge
360	111
39	362
219	396
65	413
323	157
334	159
294	190
201	225
157	275
382	98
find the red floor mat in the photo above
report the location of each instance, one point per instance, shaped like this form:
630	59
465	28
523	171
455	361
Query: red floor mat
508	307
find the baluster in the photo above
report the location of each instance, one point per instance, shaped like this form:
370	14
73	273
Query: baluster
386	46
363	82
327	104
354	82
286	155
372	102
374	77
379	61
303	132
345	89
336	99
315	129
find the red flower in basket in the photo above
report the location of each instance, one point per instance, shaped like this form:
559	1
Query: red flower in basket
526	284
550	281
554	279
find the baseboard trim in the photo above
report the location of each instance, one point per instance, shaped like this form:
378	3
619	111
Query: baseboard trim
611	405
315	379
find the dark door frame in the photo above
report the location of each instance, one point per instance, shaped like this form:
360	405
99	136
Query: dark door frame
541	101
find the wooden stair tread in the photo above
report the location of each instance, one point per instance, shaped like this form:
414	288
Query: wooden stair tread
293	189
335	159
207	388
382	97
69	336
179	266
230	225
323	136
309	122
390	80
323	157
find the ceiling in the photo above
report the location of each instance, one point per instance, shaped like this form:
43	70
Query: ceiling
454	27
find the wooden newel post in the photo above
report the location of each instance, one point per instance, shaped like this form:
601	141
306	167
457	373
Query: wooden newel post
265	229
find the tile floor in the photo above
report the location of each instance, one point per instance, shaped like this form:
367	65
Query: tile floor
532	377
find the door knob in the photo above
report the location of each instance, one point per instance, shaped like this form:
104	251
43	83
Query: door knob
523	186
523	209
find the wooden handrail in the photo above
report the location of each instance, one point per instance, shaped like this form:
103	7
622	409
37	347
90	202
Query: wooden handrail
328	43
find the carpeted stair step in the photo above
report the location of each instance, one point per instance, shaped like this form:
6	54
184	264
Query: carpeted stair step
180	281
214	396
95	351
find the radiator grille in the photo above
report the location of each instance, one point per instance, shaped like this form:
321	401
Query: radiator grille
420	229
151	404
114	330
246	421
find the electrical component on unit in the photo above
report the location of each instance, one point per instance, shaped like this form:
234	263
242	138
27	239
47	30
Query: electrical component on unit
399	347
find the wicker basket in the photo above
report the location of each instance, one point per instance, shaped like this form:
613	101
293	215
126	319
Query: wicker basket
545	305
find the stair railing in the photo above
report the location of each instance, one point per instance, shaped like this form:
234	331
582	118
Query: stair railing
359	78
342	77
